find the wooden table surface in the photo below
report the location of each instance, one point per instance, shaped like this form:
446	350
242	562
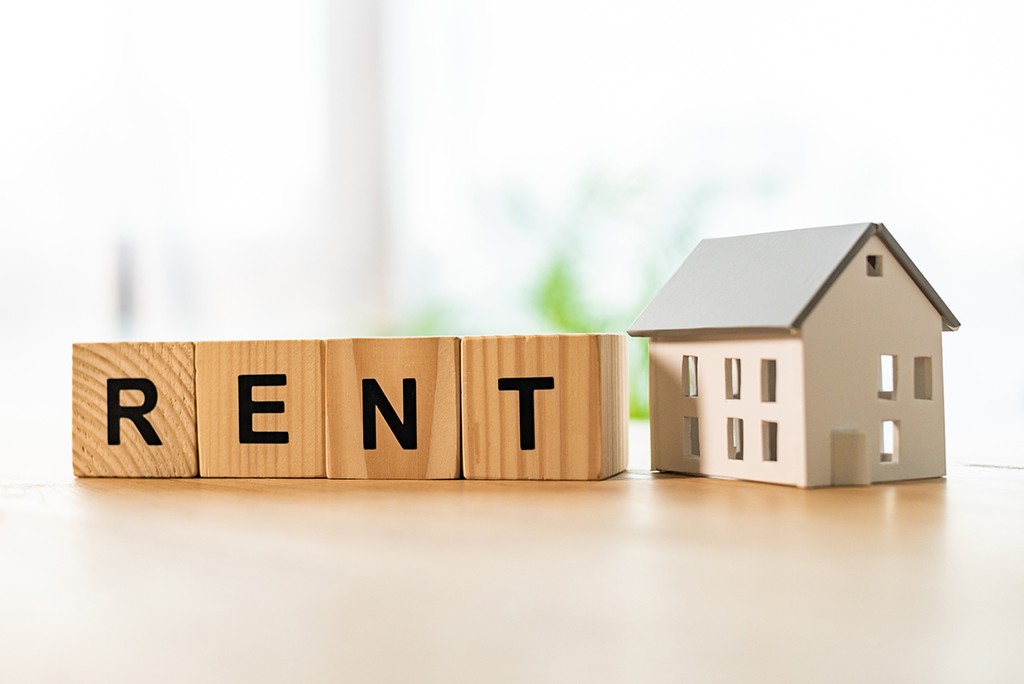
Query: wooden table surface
639	578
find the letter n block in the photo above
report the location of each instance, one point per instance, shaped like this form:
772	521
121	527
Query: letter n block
260	408
133	410
393	408
544	407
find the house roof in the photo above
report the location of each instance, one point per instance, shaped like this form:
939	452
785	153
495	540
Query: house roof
768	281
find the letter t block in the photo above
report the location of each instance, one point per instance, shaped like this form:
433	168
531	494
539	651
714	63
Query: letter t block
544	407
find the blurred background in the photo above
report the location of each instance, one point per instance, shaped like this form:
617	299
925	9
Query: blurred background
285	169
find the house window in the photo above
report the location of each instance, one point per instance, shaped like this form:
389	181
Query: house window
769	441
689	376
874	263
691	437
767	379
887	377
890	441
922	377
732	378
735	427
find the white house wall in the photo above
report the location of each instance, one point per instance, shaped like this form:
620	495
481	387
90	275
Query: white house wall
669	407
859	319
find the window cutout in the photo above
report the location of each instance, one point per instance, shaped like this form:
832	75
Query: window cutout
691	437
874	265
922	377
887	377
769	441
767	379
890	441
732	378
735	439
689	376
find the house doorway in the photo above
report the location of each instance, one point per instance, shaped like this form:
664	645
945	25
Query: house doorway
850	465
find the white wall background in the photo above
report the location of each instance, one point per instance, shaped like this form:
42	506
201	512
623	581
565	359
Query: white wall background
301	169
793	114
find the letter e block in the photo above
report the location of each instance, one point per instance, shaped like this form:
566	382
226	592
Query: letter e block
544	407
393	408
260	408
133	410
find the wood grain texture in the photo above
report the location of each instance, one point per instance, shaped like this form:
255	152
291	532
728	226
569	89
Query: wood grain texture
218	366
580	424
433	362
642	578
171	369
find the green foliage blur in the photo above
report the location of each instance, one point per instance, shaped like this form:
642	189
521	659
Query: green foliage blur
560	298
588	261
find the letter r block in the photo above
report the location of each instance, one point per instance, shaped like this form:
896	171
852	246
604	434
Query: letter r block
393	408
133	410
544	407
260	408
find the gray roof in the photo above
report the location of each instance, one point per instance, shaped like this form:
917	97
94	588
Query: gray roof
764	282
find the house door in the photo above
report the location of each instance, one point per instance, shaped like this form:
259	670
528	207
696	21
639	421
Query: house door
850	465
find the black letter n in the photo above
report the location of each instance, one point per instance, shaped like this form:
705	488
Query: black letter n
136	414
404	430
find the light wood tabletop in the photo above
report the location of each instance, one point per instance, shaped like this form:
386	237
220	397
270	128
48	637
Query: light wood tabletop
639	578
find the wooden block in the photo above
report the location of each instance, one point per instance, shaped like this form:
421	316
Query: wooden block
544	407
260	409
133	410
393	408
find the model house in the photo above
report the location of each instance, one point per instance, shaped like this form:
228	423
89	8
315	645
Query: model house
806	357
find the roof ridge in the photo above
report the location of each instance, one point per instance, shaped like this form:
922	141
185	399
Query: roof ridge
722	281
